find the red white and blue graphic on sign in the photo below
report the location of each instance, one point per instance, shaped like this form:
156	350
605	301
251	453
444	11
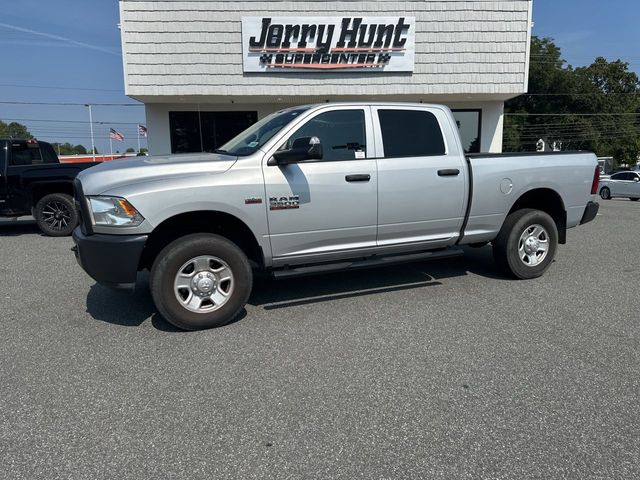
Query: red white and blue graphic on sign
372	44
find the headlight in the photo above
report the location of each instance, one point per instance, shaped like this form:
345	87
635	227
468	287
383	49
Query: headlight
114	212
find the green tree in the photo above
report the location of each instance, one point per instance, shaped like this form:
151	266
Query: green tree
79	150
14	130
69	149
606	88
129	150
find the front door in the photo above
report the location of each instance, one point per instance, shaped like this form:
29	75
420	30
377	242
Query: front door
323	207
422	176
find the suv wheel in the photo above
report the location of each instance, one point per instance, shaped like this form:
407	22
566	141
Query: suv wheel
526	244
200	281
56	215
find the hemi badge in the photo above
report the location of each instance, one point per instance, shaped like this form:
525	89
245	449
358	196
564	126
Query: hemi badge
252	201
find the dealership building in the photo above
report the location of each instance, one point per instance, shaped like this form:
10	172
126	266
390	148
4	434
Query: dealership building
206	70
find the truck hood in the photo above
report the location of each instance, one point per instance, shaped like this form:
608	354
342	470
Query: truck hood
118	173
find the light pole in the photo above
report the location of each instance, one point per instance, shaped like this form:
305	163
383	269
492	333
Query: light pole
93	146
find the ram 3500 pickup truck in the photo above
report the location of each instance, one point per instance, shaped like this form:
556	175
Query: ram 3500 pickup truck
34	182
319	188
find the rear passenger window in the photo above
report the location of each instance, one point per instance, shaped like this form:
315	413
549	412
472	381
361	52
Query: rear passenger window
410	133
24	154
48	153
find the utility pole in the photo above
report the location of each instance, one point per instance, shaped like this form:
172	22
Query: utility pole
93	145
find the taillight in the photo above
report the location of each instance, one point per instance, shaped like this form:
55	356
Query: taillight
596	181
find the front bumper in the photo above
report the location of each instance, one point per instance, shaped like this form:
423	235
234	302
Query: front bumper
590	212
111	260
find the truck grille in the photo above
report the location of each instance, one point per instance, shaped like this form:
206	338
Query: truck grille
81	207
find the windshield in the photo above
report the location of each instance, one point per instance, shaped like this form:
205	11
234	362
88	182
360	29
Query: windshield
254	137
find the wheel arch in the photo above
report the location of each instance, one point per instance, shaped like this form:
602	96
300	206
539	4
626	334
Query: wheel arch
41	189
202	221
546	200
602	187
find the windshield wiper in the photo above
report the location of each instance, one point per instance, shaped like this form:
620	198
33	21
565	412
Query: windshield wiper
219	150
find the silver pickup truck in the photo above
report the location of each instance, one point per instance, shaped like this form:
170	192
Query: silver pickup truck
319	188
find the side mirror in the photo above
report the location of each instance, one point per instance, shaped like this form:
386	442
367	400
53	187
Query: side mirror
304	148
636	179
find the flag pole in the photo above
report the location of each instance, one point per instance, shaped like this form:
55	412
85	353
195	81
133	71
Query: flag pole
138	138
111	145
93	145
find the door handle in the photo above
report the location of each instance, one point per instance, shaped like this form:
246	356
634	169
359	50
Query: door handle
357	178
449	172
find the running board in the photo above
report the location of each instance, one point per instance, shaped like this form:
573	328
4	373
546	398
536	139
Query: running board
375	261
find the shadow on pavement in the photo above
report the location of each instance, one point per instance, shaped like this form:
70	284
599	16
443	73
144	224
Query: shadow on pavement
133	309
126	309
274	294
14	228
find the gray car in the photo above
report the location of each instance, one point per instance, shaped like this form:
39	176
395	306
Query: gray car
621	185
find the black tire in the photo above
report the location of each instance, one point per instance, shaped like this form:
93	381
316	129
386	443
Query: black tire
634	199
180	252
507	244
605	193
56	215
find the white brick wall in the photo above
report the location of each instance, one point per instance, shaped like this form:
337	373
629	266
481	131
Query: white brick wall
185	48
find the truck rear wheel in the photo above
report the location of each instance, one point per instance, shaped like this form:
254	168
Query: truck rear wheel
527	244
200	281
56	215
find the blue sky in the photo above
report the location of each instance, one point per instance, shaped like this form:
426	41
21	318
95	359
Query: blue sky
74	45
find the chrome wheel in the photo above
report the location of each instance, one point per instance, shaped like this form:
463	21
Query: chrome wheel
605	193
204	284
533	245
56	215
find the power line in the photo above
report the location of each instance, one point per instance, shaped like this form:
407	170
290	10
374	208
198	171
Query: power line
568	114
602	94
61	88
73	121
63	104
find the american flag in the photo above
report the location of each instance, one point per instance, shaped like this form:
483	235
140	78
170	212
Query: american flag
142	130
116	135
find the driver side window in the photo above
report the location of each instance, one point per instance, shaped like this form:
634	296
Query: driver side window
341	133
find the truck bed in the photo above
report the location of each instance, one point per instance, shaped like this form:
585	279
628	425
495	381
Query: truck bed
499	179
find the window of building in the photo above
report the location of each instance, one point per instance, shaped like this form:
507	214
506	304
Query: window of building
469	125
341	133
410	133
206	131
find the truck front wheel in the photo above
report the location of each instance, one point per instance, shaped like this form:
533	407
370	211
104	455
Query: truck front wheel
56	215
200	281
526	244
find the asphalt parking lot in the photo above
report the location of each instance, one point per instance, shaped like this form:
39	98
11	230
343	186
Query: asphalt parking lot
431	370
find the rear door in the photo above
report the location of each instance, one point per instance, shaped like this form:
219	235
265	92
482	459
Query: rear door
324	207
422	176
622	185
23	155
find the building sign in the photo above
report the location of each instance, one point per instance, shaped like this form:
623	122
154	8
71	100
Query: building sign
326	44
